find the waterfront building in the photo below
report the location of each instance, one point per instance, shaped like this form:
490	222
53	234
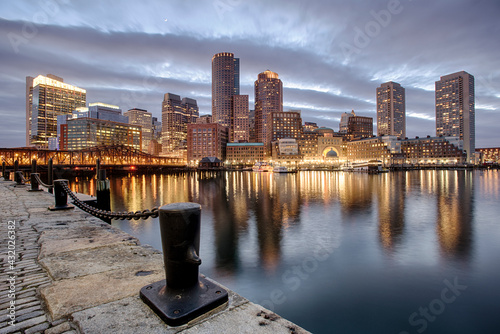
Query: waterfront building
144	119
268	99
455	109
225	84
331	145
359	127
386	149
240	130
285	151
46	98
308	145
244	153
283	124
84	132
489	155
433	150
206	140
391	110
176	115
155	145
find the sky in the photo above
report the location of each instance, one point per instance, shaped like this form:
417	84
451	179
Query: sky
330	54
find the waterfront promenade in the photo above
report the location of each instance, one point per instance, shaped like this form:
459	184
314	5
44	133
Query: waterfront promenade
73	273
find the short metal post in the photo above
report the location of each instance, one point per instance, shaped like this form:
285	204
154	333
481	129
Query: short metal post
34	182
184	295
19	178
103	194
60	196
33	166
6	175
97	167
3	170
16	169
50	175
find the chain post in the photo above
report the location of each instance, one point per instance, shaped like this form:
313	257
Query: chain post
61	198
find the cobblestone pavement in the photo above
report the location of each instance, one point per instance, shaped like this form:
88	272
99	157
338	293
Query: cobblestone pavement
21	276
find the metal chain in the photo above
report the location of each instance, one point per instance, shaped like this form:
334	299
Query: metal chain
22	177
104	214
37	177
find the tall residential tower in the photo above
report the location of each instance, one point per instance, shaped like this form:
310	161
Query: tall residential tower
391	110
455	109
268	98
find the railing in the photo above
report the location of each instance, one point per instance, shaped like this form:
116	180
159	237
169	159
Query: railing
184	295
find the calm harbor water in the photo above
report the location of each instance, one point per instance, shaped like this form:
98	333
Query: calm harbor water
334	252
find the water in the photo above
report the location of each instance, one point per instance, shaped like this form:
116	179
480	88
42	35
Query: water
403	252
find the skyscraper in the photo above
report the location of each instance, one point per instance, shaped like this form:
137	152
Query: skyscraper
144	119
268	98
176	115
240	131
225	84
46	98
391	110
455	109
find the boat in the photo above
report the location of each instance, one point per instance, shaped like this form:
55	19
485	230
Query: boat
283	169
372	167
262	166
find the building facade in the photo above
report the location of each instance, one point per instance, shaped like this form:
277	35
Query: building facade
489	155
455	109
144	119
244	153
386	149
176	115
225	84
82	133
283	124
46	98
359	127
391	110
206	140
432	150
240	129
268	98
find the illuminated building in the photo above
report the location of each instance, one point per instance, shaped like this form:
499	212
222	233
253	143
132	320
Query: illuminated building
268	99
386	149
144	119
283	124
344	120
433	150
206	140
225	84
308	144
240	130
391	112
155	145
359	127
46	98
176	115
491	154
244	153
83	132
455	110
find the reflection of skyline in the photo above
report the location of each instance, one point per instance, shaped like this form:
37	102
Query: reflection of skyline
270	204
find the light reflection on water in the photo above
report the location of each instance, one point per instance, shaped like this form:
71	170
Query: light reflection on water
340	252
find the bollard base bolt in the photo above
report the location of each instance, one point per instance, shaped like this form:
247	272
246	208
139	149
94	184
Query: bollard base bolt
179	306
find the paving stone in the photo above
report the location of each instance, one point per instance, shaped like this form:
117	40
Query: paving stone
37	329
63	327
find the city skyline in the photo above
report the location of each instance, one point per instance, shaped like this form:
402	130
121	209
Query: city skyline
330	56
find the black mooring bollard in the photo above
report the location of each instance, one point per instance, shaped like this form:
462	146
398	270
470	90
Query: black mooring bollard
184	295
97	167
3	170
16	169
19	178
33	166
50	175
6	175
60	196
103	194
34	182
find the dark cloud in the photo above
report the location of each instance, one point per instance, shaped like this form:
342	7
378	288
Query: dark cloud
127	54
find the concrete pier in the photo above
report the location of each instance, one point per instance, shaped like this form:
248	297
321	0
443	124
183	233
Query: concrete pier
72	273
